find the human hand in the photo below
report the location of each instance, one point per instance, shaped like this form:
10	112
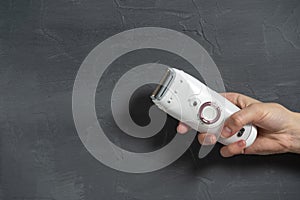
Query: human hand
278	128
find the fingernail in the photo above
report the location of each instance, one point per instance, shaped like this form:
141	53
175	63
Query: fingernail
213	139
209	139
226	132
180	130
242	143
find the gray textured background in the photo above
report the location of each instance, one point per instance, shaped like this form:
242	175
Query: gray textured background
255	44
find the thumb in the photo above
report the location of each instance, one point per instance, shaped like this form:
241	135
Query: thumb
250	114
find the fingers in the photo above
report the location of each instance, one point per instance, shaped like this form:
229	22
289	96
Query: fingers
247	115
207	139
182	128
233	149
265	146
262	146
239	99
204	138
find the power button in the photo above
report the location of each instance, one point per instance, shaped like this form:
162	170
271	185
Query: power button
209	113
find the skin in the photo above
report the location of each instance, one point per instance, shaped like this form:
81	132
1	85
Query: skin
278	128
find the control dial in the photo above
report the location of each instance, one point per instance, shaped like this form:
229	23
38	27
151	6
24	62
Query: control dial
209	113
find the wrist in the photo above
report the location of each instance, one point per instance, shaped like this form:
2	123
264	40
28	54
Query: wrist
294	132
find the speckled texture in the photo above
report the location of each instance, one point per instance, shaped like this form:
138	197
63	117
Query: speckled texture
255	44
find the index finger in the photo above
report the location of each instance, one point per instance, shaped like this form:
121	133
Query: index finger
240	100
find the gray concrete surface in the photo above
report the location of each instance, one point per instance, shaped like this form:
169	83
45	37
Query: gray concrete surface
255	44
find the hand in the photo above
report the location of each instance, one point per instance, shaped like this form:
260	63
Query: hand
278	128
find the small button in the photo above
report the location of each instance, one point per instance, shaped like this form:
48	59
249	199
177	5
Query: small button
241	132
194	102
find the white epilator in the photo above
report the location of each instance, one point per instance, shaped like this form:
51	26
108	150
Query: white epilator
193	103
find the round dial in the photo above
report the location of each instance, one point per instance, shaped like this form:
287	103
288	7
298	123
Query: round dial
209	113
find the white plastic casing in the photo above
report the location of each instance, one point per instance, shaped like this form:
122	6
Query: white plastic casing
193	103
